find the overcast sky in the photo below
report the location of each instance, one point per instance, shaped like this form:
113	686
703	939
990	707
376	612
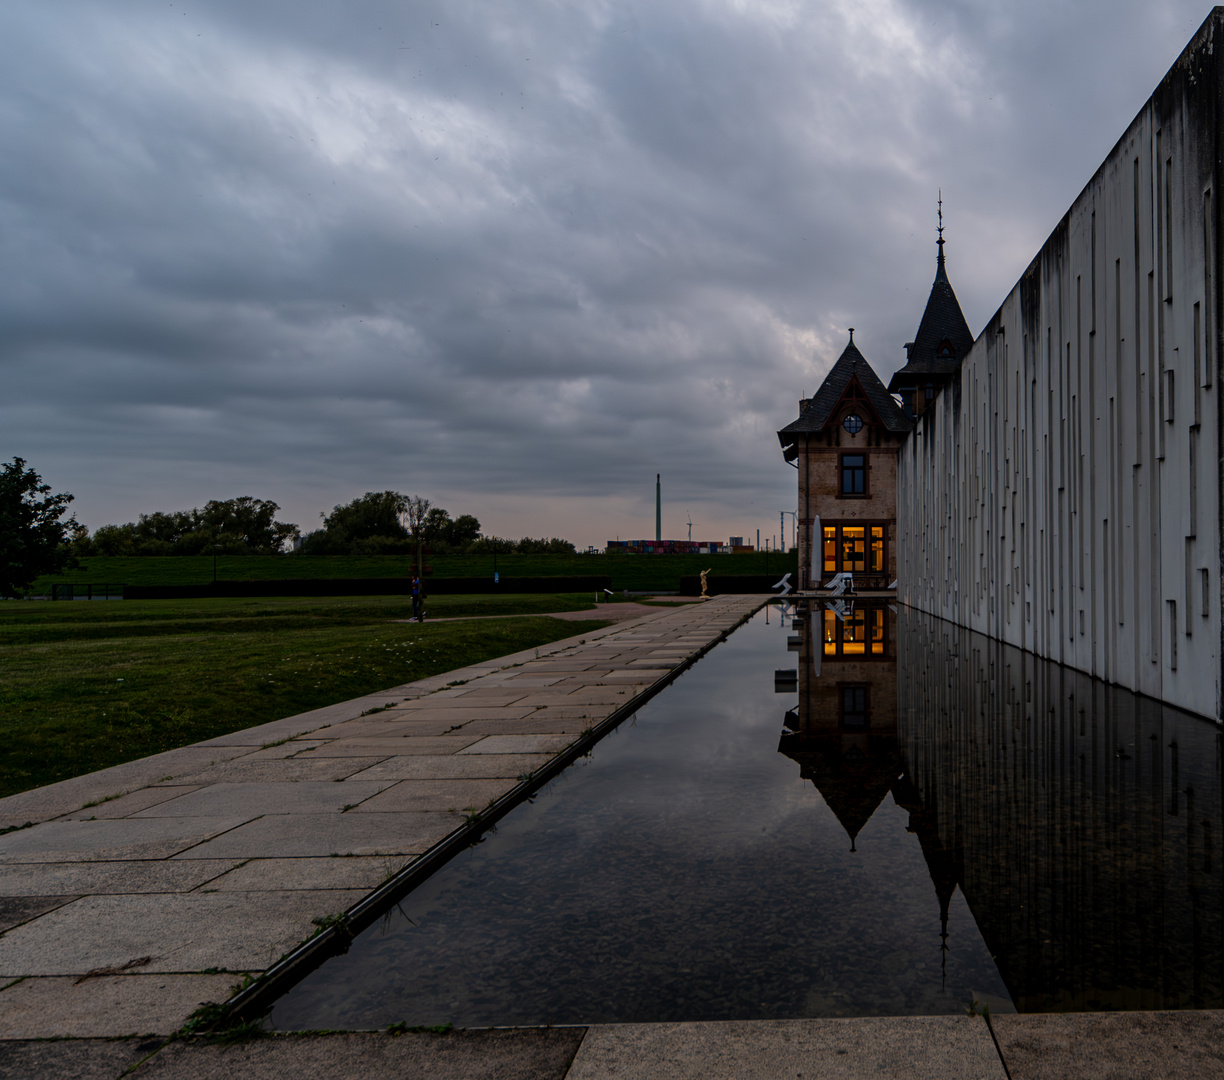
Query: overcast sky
516	258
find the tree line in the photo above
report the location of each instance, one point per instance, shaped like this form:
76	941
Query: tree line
376	523
36	538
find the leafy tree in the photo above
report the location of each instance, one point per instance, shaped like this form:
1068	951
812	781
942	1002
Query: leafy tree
241	526
416	510
463	532
32	536
555	546
446	536
492	545
369	525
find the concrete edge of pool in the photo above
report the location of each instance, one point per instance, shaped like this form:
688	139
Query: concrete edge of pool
141	891
1083	1046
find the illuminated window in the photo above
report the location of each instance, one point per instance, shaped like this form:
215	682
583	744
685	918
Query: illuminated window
854	548
854	634
862	633
830	633
875	562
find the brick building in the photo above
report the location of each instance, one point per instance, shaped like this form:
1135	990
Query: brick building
844	445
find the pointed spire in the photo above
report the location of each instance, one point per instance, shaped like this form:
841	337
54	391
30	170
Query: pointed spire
940	271
943	940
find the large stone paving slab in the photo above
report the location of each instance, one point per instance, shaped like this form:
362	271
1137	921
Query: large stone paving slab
278	752
300	797
880	1048
103	841
374	746
42	804
430	724
459	1055
365	872
133	876
15	910
458	767
449	795
454	714
1113	1046
105	1006
72	1059
133	803
297	835
169	933
541	723
519	744
285	770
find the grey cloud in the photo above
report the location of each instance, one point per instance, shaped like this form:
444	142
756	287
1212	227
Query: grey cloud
525	256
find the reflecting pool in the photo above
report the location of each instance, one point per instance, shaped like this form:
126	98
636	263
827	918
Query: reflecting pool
923	818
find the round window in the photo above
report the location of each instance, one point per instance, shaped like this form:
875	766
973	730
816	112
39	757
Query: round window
853	423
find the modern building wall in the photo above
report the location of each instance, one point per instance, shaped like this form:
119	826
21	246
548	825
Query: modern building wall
1081	823
1063	494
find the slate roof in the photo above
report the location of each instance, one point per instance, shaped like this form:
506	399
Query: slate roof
942	321
851	364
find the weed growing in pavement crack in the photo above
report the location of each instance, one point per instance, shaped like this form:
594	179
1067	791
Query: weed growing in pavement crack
402	1028
338	922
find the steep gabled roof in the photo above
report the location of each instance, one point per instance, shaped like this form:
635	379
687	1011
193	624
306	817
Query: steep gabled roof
943	339
850	365
852	785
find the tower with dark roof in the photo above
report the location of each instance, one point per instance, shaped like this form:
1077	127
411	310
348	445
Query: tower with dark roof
844	445
942	342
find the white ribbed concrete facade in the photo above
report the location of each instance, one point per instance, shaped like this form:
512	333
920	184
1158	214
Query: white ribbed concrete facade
1065	494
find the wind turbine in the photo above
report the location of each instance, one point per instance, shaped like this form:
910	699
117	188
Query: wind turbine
690	525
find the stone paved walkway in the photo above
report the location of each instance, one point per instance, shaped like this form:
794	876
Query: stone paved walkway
138	891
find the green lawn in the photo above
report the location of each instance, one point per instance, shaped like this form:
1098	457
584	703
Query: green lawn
86	685
627	571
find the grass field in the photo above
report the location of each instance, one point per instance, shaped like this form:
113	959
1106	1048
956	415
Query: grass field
86	685
627	571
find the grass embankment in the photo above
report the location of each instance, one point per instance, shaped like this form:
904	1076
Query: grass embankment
627	571
86	685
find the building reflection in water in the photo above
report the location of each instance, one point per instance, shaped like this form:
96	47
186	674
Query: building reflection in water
1081	822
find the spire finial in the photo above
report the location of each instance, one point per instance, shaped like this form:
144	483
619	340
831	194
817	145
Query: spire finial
940	241
852	335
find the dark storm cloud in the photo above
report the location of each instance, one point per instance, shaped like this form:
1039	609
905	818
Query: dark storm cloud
516	259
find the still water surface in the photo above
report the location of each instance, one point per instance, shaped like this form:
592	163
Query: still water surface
976	824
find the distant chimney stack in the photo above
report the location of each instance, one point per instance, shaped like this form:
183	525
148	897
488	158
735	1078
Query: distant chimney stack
658	507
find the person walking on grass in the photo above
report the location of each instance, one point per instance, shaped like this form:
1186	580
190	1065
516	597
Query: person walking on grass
418	600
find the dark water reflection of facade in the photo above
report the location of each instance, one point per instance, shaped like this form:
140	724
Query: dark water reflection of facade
1082	823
